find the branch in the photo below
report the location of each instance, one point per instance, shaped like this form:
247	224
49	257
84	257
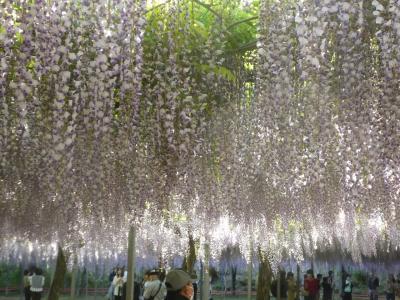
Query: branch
246	47
157	6
208	7
252	45
241	21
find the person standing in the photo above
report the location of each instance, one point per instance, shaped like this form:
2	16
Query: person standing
331	282
144	284
348	288
155	289
36	284
27	285
373	284
118	283
310	286
179	285
110	292
319	278
390	288
327	290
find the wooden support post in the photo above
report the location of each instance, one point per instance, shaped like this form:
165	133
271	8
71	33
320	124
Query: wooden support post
298	281
278	292
74	277
250	271
130	287
206	271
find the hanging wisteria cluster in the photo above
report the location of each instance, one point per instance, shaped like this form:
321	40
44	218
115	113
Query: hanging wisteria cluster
119	113
326	119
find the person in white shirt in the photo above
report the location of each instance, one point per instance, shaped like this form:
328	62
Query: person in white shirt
118	283
154	289
36	282
348	288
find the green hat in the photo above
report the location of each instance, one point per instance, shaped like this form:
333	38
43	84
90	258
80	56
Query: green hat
176	279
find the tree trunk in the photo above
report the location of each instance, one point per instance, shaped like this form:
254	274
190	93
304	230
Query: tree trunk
206	276
250	271
82	282
249	279
264	277
96	276
74	277
58	278
191	258
160	260
130	287
343	275
7	279
223	281
21	283
86	282
233	274
278	292
79	282
298	282
201	279
184	264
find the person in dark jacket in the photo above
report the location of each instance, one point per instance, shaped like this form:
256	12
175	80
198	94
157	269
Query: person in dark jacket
27	285
391	288
327	290
179	285
319	279
373	284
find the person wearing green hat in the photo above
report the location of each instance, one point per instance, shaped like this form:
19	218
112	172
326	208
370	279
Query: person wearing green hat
179	285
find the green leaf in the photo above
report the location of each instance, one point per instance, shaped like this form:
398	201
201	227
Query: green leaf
19	38
218	70
201	29
17	7
31	64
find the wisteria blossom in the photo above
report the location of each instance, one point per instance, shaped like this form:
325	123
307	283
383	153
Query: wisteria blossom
112	116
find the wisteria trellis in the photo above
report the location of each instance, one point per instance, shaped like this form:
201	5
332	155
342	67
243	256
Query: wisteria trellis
110	115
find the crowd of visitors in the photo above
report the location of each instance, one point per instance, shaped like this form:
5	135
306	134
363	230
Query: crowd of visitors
311	289
156	285
179	285
315	287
